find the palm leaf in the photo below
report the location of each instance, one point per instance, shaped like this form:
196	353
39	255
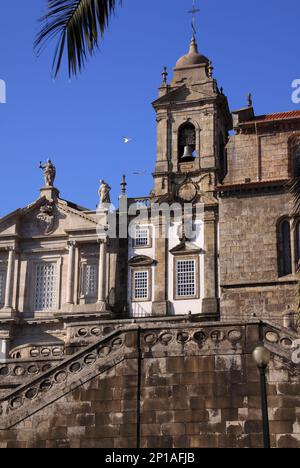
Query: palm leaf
78	25
293	187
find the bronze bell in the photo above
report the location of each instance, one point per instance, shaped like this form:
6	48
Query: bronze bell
188	153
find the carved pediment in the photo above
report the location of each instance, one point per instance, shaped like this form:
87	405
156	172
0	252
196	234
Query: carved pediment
176	95
8	225
45	217
185	248
141	260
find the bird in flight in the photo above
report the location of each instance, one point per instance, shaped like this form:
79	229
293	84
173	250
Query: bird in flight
127	140
140	173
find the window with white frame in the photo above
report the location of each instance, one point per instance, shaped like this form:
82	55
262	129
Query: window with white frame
45	286
186	278
2	285
141	285
142	237
90	280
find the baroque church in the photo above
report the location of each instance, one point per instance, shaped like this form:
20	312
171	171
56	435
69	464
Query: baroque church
110	340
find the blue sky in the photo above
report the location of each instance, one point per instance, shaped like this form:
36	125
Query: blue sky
80	123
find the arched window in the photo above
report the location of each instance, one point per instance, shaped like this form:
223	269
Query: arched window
187	142
286	251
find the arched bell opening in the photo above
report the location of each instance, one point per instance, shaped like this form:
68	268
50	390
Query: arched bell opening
187	143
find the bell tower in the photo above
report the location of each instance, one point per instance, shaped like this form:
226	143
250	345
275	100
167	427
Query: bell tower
193	121
193	124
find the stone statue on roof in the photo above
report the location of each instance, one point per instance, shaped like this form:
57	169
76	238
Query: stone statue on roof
49	173
104	193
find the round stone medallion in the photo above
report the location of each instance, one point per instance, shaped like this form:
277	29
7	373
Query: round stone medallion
187	192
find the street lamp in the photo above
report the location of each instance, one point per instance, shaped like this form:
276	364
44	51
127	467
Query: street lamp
262	358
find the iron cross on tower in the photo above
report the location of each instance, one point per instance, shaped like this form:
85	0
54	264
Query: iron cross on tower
193	12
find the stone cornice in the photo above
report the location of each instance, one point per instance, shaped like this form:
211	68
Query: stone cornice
259	187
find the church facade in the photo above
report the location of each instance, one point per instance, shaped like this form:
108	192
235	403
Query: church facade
70	276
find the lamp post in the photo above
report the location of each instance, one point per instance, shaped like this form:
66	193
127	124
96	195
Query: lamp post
262	358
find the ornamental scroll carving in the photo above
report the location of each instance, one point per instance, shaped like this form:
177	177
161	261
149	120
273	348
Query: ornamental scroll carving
46	219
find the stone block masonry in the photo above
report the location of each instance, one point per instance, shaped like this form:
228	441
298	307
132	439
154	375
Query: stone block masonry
189	385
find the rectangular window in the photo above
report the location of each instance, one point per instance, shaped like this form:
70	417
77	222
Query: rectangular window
2	285
90	280
186	278
141	285
142	237
45	286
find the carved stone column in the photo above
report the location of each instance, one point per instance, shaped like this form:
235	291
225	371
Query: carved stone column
70	277
160	304
102	273
9	278
3	350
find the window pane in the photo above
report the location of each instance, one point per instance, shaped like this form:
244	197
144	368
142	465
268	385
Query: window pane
142	237
186	278
45	286
2	286
90	280
141	285
286	240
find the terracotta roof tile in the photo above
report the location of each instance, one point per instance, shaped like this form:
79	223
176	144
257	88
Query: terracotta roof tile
277	116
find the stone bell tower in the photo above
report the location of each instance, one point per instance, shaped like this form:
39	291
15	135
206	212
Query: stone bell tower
193	121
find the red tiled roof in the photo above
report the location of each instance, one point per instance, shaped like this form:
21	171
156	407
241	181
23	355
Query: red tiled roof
277	116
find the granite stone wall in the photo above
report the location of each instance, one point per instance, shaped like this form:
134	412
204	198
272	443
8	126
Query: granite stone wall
185	386
249	257
261	156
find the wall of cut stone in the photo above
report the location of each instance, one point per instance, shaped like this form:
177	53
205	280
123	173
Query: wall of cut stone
251	156
250	280
199	388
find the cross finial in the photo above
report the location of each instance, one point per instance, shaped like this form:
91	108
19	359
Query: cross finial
193	12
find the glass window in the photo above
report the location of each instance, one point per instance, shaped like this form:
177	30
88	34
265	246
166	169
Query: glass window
2	285
142	237
141	285
186	278
286	248
90	280
45	286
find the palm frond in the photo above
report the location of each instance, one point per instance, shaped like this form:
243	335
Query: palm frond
294	188
78	25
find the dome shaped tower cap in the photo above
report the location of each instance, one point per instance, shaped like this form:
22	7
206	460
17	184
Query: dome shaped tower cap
192	58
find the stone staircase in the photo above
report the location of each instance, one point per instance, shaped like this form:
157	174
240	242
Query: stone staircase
44	385
61	379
